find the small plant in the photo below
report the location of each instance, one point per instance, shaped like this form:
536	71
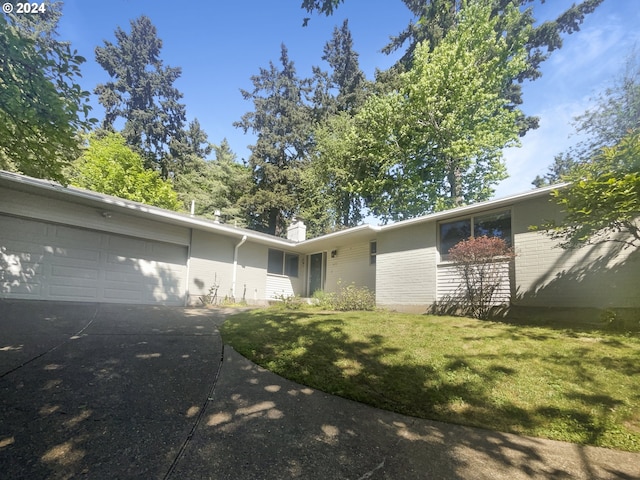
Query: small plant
620	321
211	298
353	298
290	302
480	262
229	301
323	300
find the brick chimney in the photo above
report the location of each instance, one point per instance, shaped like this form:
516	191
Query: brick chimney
297	231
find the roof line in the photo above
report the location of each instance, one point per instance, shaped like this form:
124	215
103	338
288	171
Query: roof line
497	202
262	237
109	200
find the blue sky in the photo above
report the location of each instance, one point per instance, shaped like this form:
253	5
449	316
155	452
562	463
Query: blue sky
220	44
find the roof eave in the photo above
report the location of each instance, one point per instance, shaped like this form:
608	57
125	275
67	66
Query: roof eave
136	208
476	207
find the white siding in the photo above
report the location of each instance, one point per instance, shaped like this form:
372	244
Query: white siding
600	276
603	276
279	285
450	283
350	265
212	261
252	273
406	266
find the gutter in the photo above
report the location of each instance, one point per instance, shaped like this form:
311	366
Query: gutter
235	266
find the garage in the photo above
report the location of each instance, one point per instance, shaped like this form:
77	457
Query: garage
49	261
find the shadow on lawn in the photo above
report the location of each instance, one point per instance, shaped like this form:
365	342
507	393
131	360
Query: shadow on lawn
462	391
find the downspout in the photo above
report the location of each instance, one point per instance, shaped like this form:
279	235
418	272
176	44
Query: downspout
189	248
235	266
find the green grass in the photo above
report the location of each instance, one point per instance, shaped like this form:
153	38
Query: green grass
563	384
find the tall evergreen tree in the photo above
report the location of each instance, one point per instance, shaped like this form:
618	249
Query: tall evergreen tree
142	93
281	119
190	146
330	203
346	77
214	185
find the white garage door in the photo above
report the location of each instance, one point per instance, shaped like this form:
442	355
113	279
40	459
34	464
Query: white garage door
53	262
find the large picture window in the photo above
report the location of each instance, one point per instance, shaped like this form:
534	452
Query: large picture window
496	224
282	263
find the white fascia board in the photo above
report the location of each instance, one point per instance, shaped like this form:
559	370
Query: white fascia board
168	216
477	207
108	202
336	239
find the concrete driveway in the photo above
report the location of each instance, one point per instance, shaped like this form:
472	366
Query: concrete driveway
116	391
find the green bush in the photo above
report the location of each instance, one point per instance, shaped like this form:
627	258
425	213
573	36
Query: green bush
353	298
289	302
621	320
323	300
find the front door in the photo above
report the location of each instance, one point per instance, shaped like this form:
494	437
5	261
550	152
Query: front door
315	272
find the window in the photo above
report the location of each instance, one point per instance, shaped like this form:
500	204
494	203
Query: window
454	232
373	250
290	265
281	263
492	225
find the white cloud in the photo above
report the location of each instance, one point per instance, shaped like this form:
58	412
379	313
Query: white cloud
572	77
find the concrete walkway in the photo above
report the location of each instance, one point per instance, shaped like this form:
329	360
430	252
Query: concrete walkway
113	391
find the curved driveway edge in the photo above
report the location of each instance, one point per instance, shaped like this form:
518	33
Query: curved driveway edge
117	391
261	426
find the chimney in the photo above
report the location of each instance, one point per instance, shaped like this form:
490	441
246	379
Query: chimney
297	231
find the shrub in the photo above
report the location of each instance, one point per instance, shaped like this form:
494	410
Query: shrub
323	300
353	298
479	260
290	302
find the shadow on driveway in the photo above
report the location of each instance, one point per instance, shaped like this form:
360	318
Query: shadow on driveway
101	391
116	391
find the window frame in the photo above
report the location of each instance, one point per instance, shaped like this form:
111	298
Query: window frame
373	252
444	256
285	264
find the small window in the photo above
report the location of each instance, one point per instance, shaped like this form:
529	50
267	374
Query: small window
291	265
453	232
373	251
281	263
276	259
494	225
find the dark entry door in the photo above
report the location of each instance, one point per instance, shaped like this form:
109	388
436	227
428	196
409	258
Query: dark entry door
315	273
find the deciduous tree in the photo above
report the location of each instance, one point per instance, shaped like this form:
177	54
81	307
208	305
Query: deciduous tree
437	141
42	107
602	202
615	113
109	166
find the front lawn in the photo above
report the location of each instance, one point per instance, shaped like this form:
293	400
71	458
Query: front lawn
570	385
